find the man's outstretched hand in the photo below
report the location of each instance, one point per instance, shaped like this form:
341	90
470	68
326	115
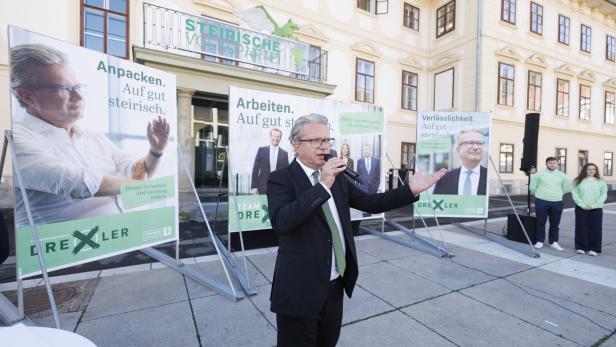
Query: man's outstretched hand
158	134
420	182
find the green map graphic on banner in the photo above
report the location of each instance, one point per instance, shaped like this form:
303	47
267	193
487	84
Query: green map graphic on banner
70	243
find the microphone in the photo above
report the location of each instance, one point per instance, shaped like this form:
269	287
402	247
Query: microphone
350	173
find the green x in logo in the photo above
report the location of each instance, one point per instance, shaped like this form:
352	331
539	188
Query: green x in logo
266	214
85	240
438	204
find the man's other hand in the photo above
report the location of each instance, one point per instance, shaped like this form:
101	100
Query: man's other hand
329	171
420	182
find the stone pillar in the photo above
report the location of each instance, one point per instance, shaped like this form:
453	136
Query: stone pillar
185	141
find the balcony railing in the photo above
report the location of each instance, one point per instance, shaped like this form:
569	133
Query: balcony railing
220	42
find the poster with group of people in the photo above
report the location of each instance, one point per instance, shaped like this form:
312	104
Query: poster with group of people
260	123
458	142
95	145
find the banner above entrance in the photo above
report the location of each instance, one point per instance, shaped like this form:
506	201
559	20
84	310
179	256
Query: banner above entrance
170	30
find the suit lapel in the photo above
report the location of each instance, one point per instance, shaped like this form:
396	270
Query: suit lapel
303	184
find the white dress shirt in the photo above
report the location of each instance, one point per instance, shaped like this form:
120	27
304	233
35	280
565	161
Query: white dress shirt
474	179
332	205
273	150
62	173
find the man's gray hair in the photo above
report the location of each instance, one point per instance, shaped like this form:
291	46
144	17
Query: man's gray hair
469	130
26	57
294	137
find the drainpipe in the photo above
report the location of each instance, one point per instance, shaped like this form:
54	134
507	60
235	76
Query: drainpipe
478	60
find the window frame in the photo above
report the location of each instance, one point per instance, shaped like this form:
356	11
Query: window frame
610	48
411	146
612	105
413	9
589	101
538	17
510	13
561	159
608	171
106	12
357	73
566	29
413	91
512	80
508	154
535	88
583	33
582	162
445	17
566	95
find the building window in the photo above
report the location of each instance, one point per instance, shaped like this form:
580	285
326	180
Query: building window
445	18
407	150
585	38
564	29
610	48
411	17
506	158
608	163
104	26
582	159
444	89
536	18
533	101
374	6
562	97
584	102
505	84
610	107
409	91
364	80
561	157
315	63
508	11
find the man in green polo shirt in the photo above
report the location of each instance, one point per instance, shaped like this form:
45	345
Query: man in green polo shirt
549	186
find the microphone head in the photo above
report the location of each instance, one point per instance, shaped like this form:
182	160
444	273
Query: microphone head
328	156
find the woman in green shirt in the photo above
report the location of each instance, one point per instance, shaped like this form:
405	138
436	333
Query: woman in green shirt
589	193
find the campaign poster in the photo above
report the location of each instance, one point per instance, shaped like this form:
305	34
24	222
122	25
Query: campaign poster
260	124
458	142
94	137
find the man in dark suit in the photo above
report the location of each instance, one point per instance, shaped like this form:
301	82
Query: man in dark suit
471	178
369	170
268	159
309	205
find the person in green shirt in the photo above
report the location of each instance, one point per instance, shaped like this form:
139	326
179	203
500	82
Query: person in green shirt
589	193
549	186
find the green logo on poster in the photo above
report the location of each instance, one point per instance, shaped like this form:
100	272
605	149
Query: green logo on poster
86	239
438	204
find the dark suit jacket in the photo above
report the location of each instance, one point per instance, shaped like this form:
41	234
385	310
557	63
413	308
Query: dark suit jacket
261	167
370	180
303	266
448	184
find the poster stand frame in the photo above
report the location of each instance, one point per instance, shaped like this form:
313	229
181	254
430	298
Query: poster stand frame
227	259
8	312
425	245
501	241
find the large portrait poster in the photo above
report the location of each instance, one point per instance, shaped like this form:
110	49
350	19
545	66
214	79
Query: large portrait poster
458	142
95	145
260	123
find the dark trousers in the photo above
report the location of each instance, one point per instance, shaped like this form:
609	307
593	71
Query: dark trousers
545	210
588	229
322	331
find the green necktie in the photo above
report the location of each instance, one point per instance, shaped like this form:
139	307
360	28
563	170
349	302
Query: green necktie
337	242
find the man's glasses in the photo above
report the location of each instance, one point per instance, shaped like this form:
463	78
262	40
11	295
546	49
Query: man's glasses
472	143
66	91
316	143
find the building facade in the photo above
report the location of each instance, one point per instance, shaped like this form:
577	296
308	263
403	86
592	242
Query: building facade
508	57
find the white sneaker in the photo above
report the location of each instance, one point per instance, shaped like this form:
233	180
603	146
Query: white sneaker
539	245
581	251
592	253
556	246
